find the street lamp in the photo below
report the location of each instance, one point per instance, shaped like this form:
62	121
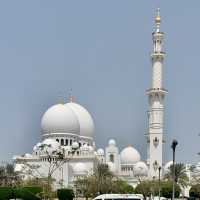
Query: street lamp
159	170
173	146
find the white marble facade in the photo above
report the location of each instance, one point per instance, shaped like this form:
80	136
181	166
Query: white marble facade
66	125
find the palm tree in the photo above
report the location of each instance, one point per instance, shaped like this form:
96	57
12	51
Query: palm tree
103	178
181	177
97	183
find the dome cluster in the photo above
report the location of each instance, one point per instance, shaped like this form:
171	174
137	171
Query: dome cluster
69	118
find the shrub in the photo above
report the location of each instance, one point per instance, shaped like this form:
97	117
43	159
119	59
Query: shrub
27	193
166	189
5	193
33	189
195	191
65	194
121	187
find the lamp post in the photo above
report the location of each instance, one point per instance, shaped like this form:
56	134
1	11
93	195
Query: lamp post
159	170
173	146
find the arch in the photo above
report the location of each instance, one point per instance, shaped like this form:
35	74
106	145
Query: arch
57	140
62	142
66	142
111	158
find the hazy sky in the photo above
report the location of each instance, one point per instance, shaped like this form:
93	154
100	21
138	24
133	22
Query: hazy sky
100	49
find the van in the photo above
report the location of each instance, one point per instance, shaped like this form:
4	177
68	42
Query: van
119	197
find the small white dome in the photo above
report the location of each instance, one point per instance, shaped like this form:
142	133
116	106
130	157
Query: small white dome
85	120
129	156
38	144
75	145
141	169
100	152
111	142
27	155
80	169
50	145
60	119
19	167
167	166
36	147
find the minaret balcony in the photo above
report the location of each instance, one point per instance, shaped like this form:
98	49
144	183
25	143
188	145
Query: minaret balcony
157	55
158	35
156	90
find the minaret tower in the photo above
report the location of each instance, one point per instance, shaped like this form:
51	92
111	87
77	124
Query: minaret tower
156	96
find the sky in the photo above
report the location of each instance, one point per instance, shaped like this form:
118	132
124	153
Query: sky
101	50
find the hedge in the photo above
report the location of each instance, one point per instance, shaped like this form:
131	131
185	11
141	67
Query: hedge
5	193
65	194
26	193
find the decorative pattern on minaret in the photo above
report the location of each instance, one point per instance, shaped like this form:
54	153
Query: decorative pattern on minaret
156	96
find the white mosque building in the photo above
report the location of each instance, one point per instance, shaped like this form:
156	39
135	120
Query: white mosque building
69	128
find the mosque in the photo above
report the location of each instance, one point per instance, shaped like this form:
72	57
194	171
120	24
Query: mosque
70	128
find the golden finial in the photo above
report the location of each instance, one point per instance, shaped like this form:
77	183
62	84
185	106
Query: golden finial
71	97
157	19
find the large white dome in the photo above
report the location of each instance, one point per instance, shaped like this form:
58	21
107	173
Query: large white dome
129	156
84	118
60	119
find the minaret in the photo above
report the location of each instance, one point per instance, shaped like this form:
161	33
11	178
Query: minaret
156	96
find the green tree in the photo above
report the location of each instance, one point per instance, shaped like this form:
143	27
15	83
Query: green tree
147	188
181	177
195	175
166	189
103	178
122	187
83	187
195	191
8	177
100	182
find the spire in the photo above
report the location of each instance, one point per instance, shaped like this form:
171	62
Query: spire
157	20
71	97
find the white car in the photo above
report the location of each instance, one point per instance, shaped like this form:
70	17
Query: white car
119	197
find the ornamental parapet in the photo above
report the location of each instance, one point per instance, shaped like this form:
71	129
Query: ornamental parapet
156	90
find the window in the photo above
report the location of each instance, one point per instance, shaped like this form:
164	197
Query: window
66	142
57	140
70	142
111	158
62	142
